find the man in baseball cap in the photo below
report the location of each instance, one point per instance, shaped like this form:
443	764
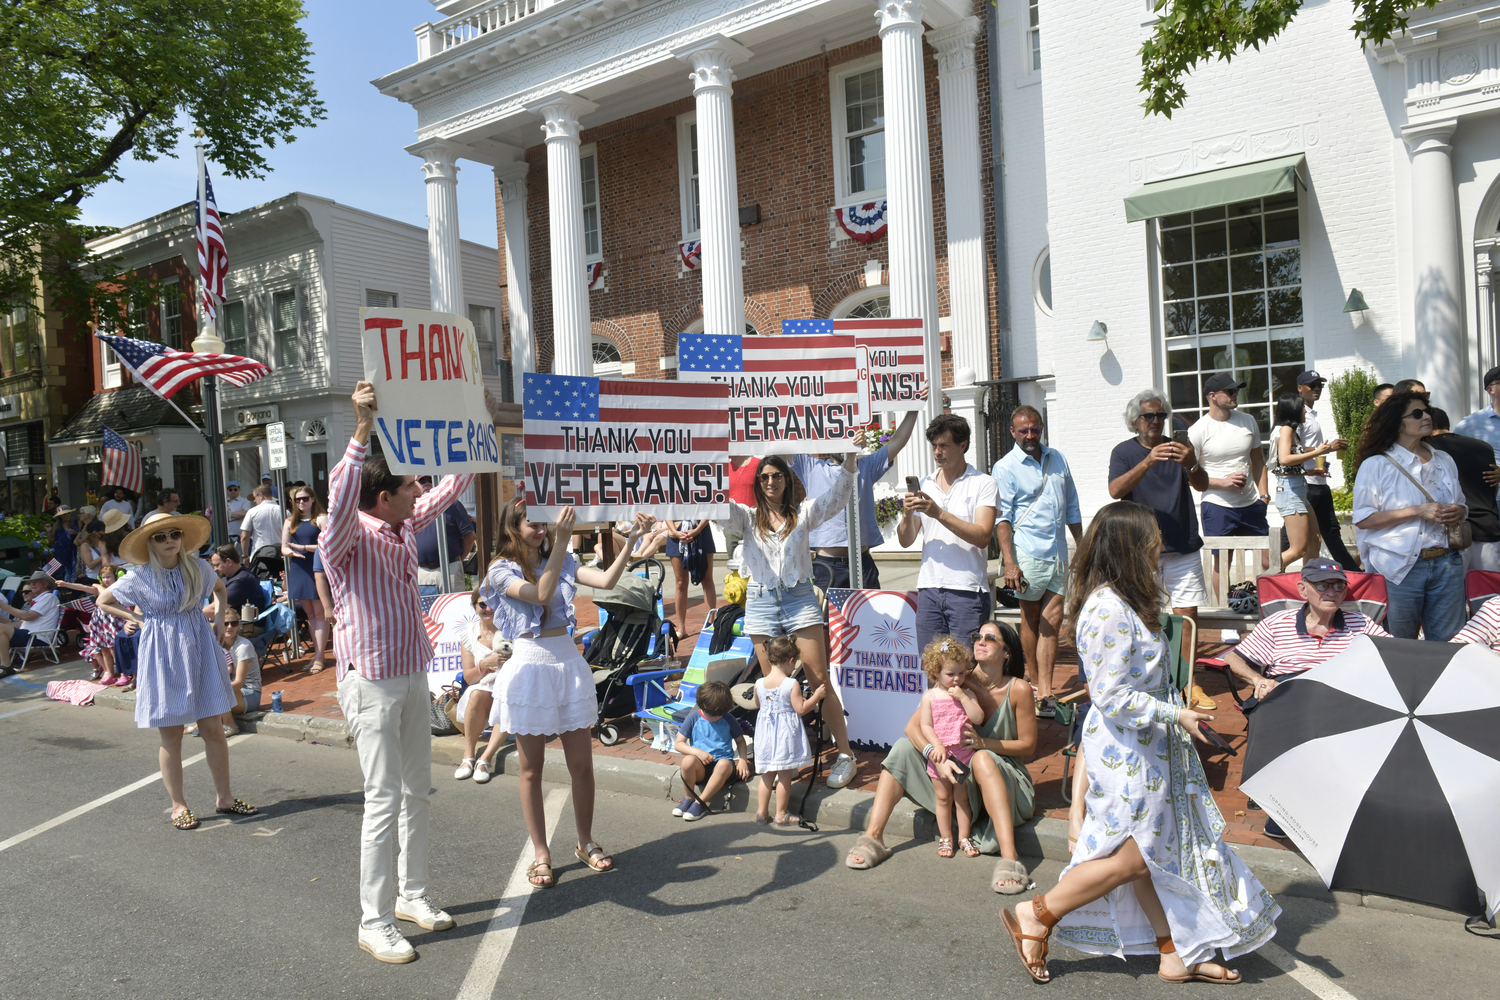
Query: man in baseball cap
1484	423
1319	496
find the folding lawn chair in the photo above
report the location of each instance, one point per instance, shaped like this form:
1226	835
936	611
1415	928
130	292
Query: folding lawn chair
50	642
1479	586
280	624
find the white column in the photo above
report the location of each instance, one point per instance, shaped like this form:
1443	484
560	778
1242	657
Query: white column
1484	322
958	99
512	178
572	340
444	263
718	183
1441	344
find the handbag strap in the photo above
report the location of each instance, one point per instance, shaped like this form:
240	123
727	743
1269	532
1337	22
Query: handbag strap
1411	477
1046	463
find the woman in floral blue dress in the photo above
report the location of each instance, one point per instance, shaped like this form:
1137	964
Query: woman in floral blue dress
1152	823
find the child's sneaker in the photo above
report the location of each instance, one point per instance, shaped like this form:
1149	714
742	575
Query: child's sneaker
692	812
681	807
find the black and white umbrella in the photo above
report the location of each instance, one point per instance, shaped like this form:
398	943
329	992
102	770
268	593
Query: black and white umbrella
1383	765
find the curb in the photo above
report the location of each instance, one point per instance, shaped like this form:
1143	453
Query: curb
1283	873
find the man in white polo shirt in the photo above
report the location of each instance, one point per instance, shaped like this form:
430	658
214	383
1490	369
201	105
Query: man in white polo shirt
954	512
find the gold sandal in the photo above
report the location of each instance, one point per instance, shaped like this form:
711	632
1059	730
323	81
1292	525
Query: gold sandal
532	876
587	852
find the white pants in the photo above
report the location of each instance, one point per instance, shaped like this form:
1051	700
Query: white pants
392	732
434	578
1482	555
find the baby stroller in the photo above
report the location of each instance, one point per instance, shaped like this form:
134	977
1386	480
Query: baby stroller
632	634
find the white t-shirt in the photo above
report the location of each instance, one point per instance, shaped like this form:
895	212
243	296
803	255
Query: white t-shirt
949	562
120	505
234	512
1224	448
264	524
243	650
1309	436
48	607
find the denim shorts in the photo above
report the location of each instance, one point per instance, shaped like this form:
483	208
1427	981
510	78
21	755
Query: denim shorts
773	611
1291	495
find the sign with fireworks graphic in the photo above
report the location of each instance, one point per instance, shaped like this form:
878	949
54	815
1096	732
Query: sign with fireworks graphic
877	667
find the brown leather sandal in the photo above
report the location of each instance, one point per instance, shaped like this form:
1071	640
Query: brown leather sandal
1228	977
1037	968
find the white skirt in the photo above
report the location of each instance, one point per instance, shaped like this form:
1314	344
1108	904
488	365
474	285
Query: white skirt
545	689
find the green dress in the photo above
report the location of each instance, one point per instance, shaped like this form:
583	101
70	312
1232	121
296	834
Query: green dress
906	765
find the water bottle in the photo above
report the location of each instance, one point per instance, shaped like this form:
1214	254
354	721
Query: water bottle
276	701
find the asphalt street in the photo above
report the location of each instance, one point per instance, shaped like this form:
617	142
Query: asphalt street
113	902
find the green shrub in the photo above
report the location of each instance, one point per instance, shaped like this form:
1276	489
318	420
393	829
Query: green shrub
1343	499
1351	396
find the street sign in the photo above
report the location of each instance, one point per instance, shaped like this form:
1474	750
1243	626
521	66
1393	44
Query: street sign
276	445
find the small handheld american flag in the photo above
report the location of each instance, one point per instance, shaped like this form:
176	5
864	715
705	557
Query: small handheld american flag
122	463
164	369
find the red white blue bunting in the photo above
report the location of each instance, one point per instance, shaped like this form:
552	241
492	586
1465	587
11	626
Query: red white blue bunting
593	274
865	222
691	252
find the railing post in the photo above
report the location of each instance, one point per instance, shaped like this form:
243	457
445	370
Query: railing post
428	41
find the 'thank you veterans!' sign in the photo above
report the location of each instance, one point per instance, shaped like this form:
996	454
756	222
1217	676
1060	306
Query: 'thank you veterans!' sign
430	415
611	447
787	394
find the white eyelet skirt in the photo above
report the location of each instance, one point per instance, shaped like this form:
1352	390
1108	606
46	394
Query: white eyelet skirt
546	688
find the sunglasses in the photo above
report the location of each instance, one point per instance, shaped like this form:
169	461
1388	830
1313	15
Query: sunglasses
304	500
1417	414
771	477
164	536
481	606
984	637
1153	416
231	624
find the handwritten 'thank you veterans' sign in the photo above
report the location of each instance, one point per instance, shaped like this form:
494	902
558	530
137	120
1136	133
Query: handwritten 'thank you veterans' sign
788	394
876	665
898	359
429	392
611	447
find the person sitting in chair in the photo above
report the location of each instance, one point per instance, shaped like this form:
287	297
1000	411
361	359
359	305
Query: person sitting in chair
39	616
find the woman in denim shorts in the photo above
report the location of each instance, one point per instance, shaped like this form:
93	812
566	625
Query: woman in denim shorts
1291	478
780	600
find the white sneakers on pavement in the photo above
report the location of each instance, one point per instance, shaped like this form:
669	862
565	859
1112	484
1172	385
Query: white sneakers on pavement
423	913
842	771
387	944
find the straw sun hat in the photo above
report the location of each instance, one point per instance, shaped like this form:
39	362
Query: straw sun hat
194	527
114	520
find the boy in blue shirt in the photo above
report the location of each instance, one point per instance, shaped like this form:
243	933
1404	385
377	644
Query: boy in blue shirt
707	741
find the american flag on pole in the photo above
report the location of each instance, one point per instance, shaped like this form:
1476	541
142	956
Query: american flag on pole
788	394
164	369
898	359
610	447
122	463
213	258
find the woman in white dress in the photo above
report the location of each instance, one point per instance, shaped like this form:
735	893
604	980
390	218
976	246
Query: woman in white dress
484	651
1152	822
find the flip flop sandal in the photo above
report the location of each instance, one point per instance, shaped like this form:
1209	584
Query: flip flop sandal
1012	872
945	847
532	874
240	808
586	854
871	851
969	848
185	820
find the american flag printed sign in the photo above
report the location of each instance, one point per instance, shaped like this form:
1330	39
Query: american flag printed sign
788	394
611	447
445	617
898	357
121	463
874	660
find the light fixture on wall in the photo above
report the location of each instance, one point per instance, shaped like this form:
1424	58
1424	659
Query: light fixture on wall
1356	302
1099	331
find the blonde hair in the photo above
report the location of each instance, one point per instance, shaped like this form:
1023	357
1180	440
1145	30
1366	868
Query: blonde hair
192	576
942	651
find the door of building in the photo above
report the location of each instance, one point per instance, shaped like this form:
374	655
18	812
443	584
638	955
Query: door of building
319	461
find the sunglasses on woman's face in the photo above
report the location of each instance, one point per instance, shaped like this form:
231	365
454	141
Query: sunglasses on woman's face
161	537
1417	414
481	606
231	624
304	499
771	477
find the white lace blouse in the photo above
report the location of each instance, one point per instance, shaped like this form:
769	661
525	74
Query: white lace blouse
777	561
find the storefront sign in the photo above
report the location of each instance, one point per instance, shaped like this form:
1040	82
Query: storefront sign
10	406
254	416
876	665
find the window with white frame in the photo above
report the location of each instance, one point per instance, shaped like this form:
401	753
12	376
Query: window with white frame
138	321
483	318
607	360
687	173
1033	36
171	315
232	328
1231	293
593	243
1041	281
379	300
859	130
109	326
285	328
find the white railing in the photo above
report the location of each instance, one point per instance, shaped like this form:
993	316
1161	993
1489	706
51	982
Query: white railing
433	39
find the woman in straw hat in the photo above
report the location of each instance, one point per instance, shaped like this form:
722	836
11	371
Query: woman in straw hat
181	676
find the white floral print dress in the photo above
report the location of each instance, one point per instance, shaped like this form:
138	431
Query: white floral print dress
1146	781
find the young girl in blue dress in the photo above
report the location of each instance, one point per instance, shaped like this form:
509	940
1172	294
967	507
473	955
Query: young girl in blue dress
781	747
180	676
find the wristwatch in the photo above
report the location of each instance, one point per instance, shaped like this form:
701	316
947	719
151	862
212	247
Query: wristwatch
1265	497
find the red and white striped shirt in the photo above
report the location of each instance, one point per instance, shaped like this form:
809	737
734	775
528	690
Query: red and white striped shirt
1281	645
1484	627
372	572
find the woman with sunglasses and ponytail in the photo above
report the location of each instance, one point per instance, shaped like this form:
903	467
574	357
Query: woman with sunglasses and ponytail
180	678
1408	512
299	544
780	599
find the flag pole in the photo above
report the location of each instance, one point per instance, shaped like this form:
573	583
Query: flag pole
208	342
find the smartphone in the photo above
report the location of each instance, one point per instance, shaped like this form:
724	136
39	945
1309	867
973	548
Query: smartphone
1216	740
963	769
1180	435
913	484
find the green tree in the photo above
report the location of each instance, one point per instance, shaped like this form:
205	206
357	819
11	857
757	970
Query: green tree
1193	31
84	82
1352	398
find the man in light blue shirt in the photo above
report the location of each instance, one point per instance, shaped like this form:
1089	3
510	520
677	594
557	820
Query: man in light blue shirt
1485	424
1037	498
830	540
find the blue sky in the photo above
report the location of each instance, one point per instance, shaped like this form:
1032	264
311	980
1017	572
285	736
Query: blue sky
354	156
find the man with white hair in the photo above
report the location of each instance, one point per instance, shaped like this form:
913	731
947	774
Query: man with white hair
38	616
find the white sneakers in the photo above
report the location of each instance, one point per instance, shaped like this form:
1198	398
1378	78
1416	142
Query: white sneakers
423	913
465	768
842	771
387	944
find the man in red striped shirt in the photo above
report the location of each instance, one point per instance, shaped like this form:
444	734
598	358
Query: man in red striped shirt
369	550
1289	642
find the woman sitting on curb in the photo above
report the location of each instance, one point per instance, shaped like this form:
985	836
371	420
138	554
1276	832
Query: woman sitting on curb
484	651
999	788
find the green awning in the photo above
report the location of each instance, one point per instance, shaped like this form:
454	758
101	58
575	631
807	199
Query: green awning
1214	188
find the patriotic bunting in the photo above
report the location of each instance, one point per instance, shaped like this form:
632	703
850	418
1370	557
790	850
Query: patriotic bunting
691	253
865	222
592	273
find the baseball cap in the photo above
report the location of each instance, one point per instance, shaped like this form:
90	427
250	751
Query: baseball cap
1493	375
1317	570
1310	378
231	483
1221	382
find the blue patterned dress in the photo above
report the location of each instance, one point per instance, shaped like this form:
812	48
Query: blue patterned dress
1146	782
180	675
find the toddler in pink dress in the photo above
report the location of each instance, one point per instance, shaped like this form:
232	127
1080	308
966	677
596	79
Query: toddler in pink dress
946	707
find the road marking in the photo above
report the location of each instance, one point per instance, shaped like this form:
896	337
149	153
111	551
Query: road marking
21	838
17	681
29	708
1310	979
494	947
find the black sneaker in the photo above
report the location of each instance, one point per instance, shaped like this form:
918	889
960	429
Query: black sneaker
1274	830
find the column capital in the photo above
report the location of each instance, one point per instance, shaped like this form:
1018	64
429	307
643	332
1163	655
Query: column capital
955	45
711	59
560	113
1429	137
900	14
439	158
512	178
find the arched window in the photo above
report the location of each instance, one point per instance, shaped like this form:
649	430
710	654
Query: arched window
867	303
696	326
607	360
1041	281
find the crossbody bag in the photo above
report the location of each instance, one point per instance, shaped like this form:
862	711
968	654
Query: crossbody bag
1461	535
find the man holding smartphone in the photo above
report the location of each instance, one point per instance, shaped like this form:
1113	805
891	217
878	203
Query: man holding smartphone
1319	496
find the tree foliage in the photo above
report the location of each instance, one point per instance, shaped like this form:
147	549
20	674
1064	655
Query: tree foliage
1351	396
1193	31
84	82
